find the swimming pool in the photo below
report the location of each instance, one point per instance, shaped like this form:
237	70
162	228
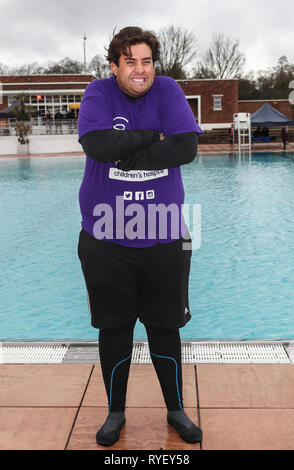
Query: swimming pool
242	277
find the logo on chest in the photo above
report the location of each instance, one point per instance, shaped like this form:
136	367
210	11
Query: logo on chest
119	123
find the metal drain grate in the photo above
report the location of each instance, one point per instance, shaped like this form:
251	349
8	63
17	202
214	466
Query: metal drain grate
222	353
229	353
32	354
193	352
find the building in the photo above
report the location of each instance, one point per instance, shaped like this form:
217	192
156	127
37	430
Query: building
53	92
214	102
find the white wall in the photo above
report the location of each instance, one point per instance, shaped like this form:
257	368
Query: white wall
208	127
42	144
8	145
61	143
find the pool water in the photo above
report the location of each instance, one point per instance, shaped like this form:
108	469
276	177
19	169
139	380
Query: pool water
242	277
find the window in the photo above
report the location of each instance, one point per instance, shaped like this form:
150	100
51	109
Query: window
217	102
11	99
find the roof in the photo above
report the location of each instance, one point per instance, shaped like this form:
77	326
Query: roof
270	117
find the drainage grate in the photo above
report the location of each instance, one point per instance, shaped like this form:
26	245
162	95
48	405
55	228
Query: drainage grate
222	353
32	354
231	352
141	354
193	352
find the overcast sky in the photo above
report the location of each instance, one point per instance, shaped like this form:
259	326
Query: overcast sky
32	30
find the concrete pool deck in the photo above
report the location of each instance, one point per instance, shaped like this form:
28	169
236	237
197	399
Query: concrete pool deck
61	407
202	149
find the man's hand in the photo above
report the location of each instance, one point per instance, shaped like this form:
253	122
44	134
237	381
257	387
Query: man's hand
162	137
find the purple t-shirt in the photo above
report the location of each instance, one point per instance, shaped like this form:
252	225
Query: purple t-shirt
136	208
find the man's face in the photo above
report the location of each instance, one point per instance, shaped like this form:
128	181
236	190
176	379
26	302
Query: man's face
135	73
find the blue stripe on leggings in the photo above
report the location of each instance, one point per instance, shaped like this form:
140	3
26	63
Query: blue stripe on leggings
167	357
111	380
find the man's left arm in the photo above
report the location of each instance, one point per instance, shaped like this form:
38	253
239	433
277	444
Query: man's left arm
172	151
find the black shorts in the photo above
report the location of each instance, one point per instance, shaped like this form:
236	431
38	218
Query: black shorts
125	283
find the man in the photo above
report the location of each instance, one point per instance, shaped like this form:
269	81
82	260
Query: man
48	121
136	130
284	137
58	118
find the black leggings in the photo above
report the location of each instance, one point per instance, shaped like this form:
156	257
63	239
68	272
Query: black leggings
115	349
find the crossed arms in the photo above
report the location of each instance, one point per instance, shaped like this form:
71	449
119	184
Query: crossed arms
141	149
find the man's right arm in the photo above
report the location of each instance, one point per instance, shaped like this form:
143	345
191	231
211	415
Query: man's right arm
109	145
100	141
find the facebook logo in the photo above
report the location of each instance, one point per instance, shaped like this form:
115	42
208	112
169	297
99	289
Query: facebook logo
139	195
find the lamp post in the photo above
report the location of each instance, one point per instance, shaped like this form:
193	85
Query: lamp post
85	63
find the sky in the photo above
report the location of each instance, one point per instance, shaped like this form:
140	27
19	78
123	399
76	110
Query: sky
41	31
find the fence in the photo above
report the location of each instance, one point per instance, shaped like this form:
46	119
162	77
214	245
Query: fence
40	127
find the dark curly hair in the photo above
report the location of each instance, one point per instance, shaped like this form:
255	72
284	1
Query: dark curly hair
126	37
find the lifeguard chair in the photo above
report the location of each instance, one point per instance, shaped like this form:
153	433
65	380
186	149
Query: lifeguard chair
242	124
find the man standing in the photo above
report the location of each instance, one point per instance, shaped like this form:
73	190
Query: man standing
136	131
58	118
284	137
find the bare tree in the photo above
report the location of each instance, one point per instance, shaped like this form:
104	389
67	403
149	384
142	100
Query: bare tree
66	65
4	69
177	50
222	60
26	69
99	66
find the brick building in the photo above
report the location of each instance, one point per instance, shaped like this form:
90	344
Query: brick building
213	101
54	92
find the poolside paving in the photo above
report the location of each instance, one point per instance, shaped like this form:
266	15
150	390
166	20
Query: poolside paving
61	406
276	147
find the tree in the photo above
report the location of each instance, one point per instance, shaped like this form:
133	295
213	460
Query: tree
99	66
27	69
22	116
66	65
4	70
177	50
248	88
222	60
273	83
282	74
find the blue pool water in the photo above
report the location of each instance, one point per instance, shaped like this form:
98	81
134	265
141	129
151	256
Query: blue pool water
242	277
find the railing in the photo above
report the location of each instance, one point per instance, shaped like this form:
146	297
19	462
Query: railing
40	127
